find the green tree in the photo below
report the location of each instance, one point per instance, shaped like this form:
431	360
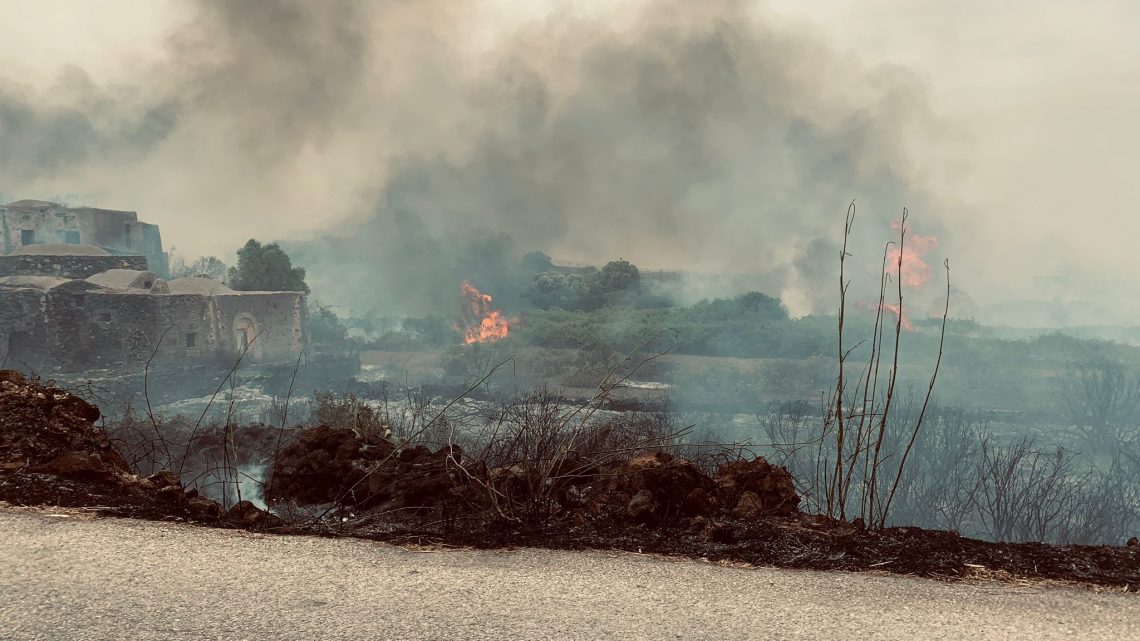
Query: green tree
551	289
325	326
617	276
266	268
205	266
537	262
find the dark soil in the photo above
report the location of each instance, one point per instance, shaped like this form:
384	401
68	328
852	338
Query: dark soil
805	542
52	454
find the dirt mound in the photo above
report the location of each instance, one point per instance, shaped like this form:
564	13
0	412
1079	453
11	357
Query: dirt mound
654	487
44	429
326	465
757	487
658	488
421	478
51	452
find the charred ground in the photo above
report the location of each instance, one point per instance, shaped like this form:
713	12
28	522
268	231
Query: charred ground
621	495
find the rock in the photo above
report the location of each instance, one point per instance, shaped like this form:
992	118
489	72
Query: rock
66	404
425	478
249	515
423	487
76	464
671	482
568	476
414	454
698	524
772	485
699	502
323	463
165	485
719	532
1133	542
12	376
165	478
642	508
749	507
203	509
381	487
170	494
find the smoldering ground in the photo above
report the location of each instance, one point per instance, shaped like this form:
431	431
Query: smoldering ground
411	153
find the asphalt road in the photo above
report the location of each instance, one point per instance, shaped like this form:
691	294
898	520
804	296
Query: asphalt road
70	576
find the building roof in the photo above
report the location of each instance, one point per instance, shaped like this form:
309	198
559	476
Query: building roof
52	249
37	282
198	285
124	279
28	203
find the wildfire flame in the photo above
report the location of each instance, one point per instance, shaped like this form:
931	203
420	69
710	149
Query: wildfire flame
894	309
915	271
481	322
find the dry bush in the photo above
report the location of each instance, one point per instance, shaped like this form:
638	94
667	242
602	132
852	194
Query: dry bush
346	411
539	447
148	443
960	477
1028	494
1101	399
223	462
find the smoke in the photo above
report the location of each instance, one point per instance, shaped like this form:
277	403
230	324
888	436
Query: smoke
413	155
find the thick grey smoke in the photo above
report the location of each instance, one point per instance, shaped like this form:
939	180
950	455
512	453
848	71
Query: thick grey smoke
77	124
699	136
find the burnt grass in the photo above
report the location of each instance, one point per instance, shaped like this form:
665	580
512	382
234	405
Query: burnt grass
800	542
52	455
797	542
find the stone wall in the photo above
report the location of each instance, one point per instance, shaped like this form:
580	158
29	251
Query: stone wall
78	325
193	332
115	328
77	267
277	319
21	315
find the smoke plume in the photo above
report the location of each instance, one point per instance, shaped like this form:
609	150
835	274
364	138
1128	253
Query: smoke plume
403	153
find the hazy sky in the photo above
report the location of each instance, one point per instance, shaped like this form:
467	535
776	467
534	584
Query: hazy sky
1029	147
1043	98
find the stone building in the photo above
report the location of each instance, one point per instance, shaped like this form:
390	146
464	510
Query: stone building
34	222
75	307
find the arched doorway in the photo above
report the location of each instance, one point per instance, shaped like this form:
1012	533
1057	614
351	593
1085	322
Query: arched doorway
245	333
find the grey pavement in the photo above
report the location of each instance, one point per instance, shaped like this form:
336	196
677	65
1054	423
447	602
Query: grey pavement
70	576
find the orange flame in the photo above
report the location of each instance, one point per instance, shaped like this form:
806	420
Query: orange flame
915	271
894	309
482	323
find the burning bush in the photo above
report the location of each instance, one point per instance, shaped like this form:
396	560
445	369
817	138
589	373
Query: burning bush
482	323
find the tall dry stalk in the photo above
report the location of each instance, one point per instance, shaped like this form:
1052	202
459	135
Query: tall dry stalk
858	420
